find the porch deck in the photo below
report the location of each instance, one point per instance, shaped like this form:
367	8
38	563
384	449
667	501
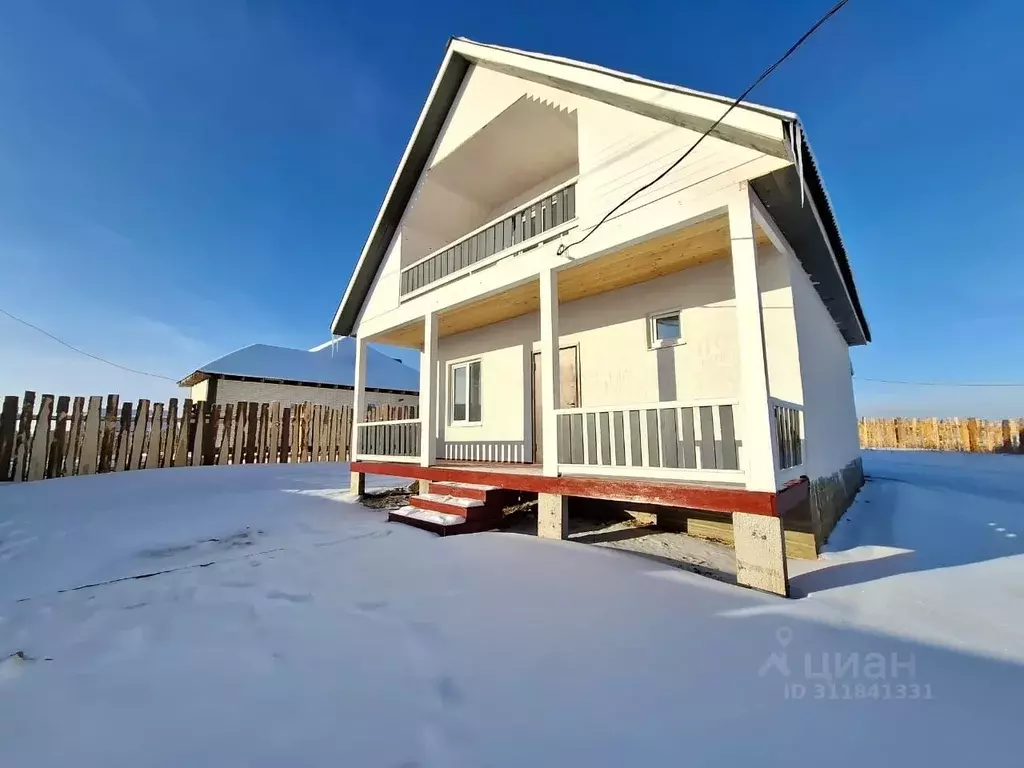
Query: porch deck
717	497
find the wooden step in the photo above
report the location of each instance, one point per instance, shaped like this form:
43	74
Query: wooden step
470	509
464	490
441	523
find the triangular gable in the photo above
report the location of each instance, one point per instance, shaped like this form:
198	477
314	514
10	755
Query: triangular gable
761	128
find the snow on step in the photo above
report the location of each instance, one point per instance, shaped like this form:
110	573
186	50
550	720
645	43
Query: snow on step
455	501
429	516
468	486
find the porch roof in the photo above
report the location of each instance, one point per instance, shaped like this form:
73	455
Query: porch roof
813	227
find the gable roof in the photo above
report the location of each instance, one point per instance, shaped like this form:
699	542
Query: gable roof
821	260
332	364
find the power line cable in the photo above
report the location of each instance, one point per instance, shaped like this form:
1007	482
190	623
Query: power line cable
761	78
82	351
943	383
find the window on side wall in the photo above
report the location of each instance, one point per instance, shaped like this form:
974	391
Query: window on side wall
665	329
465	392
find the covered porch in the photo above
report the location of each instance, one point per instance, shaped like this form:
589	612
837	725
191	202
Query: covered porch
726	429
735	451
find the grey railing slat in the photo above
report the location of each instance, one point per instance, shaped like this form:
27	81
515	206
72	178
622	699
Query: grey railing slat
729	453
687	439
669	440
653	446
564	438
707	438
576	441
620	439
592	438
606	439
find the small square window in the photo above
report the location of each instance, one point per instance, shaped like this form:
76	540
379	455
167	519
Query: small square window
665	329
465	393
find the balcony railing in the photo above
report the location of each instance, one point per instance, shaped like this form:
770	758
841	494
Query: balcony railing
672	439
789	433
397	440
543	214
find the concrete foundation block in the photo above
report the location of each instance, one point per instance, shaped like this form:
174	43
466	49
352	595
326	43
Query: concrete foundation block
760	553
357	483
552	516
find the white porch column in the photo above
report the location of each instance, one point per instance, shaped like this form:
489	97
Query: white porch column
550	386
758	419
358	482
428	391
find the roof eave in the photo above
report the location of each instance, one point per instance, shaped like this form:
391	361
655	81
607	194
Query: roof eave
414	159
460	54
816	186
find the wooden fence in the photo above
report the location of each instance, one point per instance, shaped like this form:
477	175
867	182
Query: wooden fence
974	435
67	436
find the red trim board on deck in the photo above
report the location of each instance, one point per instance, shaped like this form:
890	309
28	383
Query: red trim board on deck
661	492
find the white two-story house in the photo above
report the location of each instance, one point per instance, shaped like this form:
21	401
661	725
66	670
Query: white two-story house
594	324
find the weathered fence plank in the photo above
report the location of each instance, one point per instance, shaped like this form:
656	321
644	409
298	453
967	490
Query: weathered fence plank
274	435
212	425
226	428
262	430
199	417
74	443
108	438
181	440
286	433
239	449
251	426
41	440
8	424
155	434
22	445
55	462
87	465
124	438
139	434
172	432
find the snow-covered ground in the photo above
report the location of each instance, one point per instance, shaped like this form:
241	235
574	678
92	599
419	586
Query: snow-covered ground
279	624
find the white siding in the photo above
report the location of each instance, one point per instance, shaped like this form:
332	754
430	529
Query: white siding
830	414
618	152
231	391
199	391
615	365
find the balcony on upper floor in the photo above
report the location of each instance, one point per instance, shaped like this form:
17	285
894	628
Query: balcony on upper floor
509	187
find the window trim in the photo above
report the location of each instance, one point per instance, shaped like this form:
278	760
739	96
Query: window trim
653	342
466	363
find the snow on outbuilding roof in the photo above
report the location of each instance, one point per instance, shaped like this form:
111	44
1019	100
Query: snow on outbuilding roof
332	363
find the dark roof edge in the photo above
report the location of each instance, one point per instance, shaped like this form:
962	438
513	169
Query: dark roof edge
434	114
812	178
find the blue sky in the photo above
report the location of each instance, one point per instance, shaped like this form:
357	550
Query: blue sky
180	179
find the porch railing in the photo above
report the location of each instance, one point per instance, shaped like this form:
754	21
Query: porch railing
541	215
672	439
789	433
397	440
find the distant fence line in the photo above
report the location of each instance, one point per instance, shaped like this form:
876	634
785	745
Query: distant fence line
973	435
68	436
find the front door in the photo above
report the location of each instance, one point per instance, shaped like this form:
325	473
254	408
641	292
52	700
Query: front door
569	383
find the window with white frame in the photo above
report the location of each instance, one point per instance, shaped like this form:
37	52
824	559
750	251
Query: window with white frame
665	329
465	392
